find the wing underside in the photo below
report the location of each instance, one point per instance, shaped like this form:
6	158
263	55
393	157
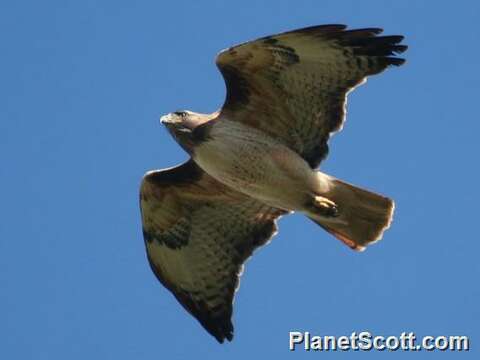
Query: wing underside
294	85
198	235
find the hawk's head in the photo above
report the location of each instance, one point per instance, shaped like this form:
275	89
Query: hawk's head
181	125
178	121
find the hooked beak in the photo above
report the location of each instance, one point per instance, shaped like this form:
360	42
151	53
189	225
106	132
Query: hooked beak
170	122
165	119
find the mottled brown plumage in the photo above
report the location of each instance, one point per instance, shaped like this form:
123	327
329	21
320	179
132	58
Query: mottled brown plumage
255	159
198	233
301	79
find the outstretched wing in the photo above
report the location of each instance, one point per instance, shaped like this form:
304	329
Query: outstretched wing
294	85
198	234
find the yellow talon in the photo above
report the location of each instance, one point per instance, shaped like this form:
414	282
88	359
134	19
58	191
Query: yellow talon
326	207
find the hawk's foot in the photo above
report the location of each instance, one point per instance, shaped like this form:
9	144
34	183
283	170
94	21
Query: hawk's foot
325	207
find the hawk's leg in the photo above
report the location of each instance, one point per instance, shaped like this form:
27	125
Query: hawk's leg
324	207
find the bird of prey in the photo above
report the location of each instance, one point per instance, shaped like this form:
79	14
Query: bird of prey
256	159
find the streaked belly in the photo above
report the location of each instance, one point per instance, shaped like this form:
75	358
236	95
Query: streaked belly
257	166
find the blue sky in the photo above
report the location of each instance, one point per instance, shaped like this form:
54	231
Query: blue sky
82	87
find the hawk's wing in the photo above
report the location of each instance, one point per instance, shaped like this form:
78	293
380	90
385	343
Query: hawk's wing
294	85
198	234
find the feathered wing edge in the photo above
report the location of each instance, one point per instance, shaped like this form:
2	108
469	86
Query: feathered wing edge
247	69
174	194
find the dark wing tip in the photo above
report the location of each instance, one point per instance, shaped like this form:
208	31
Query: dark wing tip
219	325
220	328
379	51
395	61
373	45
216	320
363	42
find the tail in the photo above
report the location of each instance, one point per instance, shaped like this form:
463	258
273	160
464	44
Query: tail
361	216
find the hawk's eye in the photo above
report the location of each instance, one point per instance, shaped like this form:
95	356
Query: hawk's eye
179	113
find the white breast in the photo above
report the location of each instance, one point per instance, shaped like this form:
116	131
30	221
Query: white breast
253	163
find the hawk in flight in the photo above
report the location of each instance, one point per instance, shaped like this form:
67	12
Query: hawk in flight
256	159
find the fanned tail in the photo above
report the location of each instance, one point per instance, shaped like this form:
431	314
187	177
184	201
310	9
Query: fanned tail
361	215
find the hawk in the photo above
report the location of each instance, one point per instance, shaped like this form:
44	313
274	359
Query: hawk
256	159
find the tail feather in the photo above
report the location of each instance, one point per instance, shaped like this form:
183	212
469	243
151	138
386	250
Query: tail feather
362	218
